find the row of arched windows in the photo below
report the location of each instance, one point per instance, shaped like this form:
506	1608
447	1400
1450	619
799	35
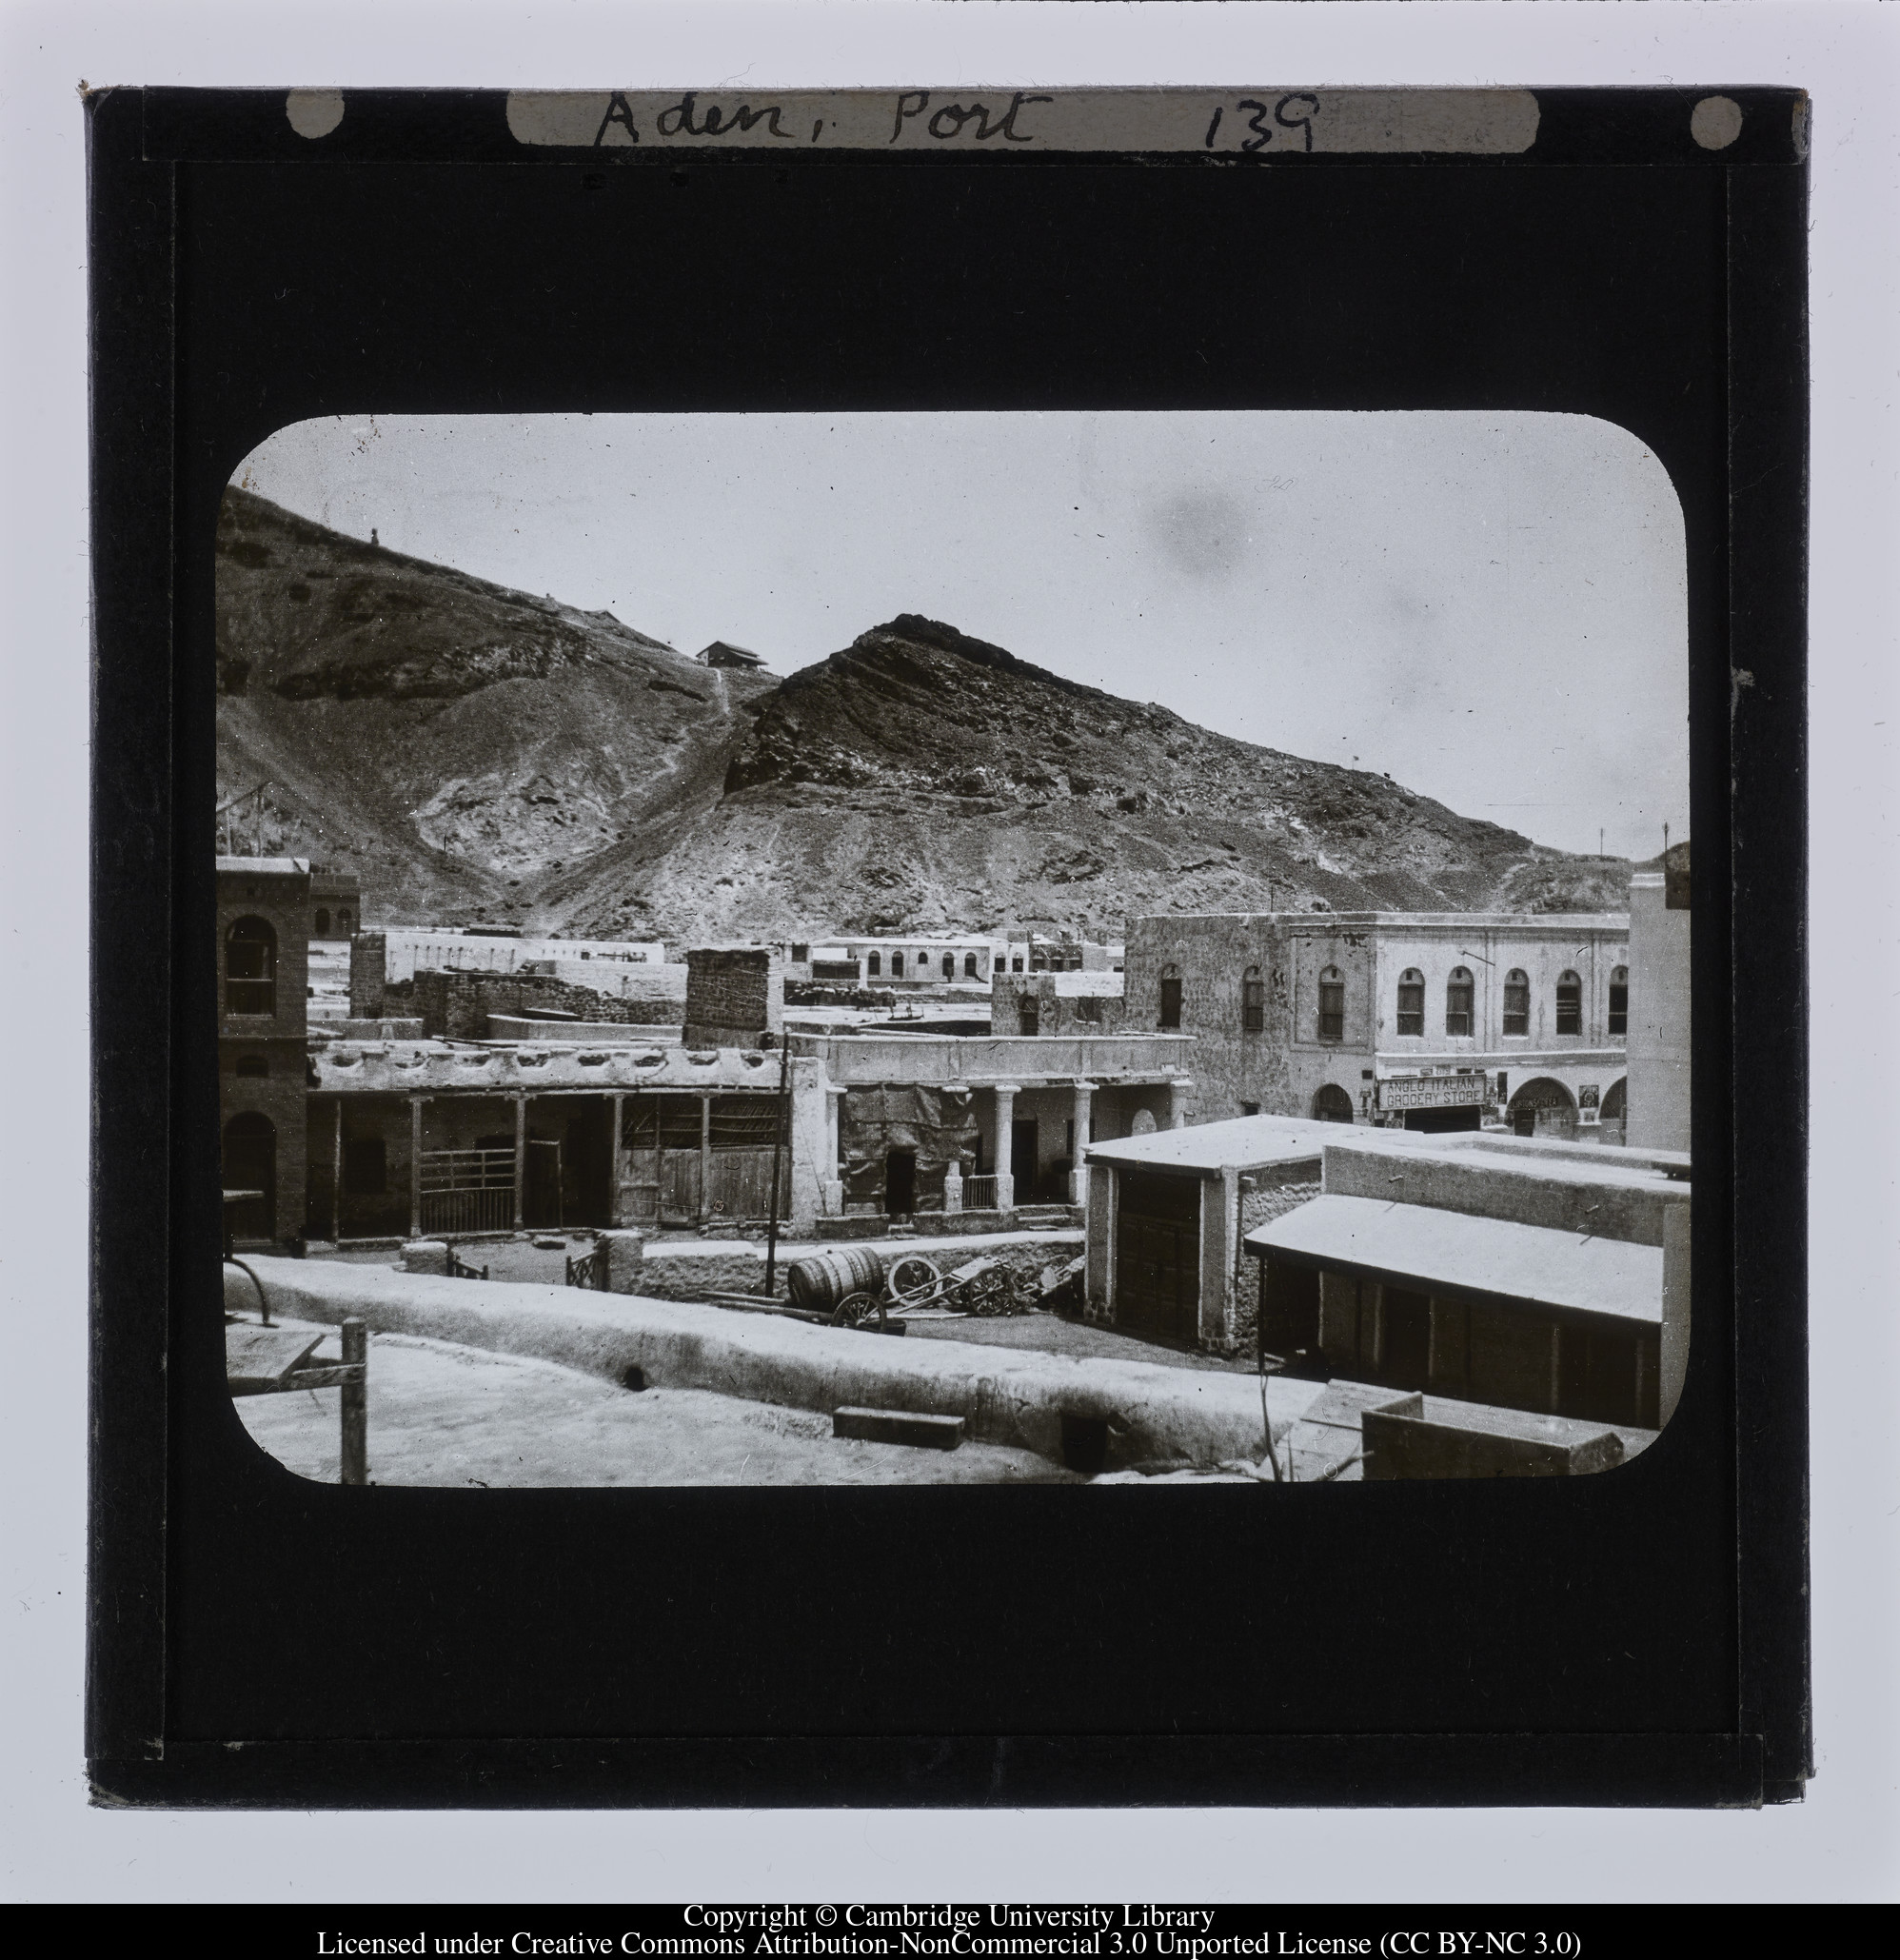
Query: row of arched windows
1460	998
321	925
1459	989
874	966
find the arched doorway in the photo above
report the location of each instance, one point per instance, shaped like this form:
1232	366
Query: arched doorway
1543	1108
249	1163
1615	1115
1331	1104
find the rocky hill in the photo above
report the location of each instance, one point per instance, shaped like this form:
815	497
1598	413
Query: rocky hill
479	753
453	742
921	780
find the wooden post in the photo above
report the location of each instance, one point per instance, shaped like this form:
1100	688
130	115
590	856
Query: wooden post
616	1105
779	1137
520	1156
705	1156
336	1178
355	1468
415	1166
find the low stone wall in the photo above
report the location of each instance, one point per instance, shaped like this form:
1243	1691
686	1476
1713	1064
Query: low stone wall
1015	1396
689	1270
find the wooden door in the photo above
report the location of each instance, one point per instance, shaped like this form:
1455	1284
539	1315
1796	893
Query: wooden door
1158	1255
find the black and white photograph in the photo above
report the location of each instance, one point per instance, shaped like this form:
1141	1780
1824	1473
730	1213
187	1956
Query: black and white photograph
1132	948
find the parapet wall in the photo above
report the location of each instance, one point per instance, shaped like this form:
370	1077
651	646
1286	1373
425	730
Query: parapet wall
456	1006
734	995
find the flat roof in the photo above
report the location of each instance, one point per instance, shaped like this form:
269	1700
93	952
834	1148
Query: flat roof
1240	1143
1447	1252
263	867
1530	924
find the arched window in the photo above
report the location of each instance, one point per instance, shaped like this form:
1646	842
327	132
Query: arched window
1619	1000
250	967
1459	1001
1332	1005
1569	1004
969	967
874	965
1253	1001
897	966
323	928
253	1065
1411	1001
1039	960
1170	1016
1516	1002
1028	1014
343	920
1333	1105
1074	959
949	966
1015	964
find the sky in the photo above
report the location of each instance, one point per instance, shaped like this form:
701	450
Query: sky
1489	609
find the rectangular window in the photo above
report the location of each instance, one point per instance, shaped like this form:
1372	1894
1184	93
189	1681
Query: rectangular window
1088	1008
1517	1005
1029	1014
1171	1002
1253	1006
1332	1010
1619	1008
1412	1007
1569	1007
1458	1007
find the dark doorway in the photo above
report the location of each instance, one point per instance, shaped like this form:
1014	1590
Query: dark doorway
1158	1256
586	1166
1596	1375
1289	1309
1407	1337
541	1186
1022	1164
900	1183
1435	1122
250	1165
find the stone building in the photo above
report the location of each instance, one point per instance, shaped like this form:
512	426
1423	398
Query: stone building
1417	1021
263	934
929	1124
1166	1215
1541	1276
1078	1002
1659	1030
734	997
336	904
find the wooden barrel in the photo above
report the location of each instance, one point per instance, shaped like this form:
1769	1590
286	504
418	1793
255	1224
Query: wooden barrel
818	1283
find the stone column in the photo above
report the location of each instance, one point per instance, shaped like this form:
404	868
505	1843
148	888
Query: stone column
415	1166
952	1188
1179	1088
832	1184
1099	1281
1006	1111
1078	1174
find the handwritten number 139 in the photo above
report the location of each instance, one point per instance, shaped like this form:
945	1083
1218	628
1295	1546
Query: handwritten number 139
1257	122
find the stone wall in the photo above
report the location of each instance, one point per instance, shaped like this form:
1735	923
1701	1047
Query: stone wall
369	975
1060	1010
735	995
1267	1200
456	1006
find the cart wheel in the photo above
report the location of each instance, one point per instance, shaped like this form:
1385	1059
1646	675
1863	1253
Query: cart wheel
861	1310
914	1281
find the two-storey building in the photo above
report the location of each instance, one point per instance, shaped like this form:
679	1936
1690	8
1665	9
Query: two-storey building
1430	1020
263	936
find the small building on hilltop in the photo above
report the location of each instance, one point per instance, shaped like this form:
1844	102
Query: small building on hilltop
722	653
